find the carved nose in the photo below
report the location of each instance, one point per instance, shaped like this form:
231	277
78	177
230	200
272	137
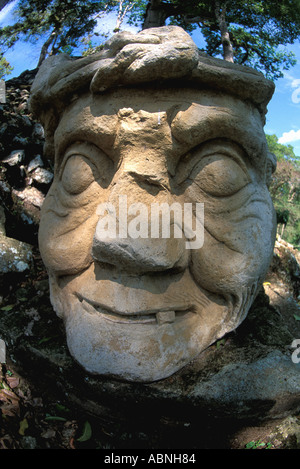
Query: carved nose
137	254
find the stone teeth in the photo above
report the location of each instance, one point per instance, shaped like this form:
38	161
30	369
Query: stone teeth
164	317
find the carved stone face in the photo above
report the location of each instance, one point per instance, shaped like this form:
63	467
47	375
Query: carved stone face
140	309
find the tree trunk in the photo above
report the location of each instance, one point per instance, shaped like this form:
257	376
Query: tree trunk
3	3
122	12
225	38
155	15
45	47
119	18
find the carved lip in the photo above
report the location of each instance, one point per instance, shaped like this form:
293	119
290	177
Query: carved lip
156	317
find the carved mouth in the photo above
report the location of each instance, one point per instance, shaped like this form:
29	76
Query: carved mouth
164	316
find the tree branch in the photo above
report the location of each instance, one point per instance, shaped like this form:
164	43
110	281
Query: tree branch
45	47
225	38
3	3
122	14
156	13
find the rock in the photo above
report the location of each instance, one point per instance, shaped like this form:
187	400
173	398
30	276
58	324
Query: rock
26	121
289	256
16	259
42	176
38	131
2	221
4	187
21	151
15	256
31	195
26	78
287	434
37	162
29	442
247	376
283	284
3	128
268	380
174	297
14	158
31	200
20	141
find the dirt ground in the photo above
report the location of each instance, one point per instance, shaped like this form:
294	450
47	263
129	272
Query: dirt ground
33	419
29	420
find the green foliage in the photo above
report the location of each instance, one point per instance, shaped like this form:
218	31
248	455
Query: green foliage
86	433
258	444
282	152
259	30
91	49
62	22
285	190
5	68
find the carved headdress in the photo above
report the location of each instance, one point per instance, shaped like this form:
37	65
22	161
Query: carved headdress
156	55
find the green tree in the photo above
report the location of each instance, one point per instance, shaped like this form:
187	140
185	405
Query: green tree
250	33
285	190
5	68
282	152
61	22
3	3
253	33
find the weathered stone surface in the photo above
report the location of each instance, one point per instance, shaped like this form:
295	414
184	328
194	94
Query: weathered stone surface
37	162
36	342
21	152
192	134
2	222
248	376
15	157
31	200
174	412
38	131
146	57
287	433
42	176
142	306
15	256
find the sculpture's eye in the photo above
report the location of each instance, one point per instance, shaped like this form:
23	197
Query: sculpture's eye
218	168
78	174
220	176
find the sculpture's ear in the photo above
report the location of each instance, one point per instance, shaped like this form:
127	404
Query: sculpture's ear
270	167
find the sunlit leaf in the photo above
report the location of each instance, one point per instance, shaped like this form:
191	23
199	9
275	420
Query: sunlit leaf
86	434
7	308
55	418
23	427
61	408
45	339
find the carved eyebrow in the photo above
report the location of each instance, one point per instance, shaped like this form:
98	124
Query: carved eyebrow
200	123
99	134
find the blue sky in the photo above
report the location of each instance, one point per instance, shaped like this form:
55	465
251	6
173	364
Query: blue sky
283	118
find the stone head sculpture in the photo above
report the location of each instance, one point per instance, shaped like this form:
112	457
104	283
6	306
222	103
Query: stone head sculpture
147	123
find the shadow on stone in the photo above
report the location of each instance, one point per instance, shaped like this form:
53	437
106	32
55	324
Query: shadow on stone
244	379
